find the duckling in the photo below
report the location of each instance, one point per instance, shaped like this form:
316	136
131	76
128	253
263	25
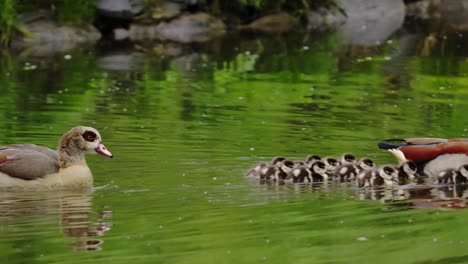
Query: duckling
331	164
312	158
446	176
255	170
277	161
463	172
300	174
347	158
276	173
267	173
407	172
319	171
365	164
315	172
451	176
384	175
299	163
349	171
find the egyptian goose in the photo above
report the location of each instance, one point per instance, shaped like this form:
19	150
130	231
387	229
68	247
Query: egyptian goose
29	166
432	155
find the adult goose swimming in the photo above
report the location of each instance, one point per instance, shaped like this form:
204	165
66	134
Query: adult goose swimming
29	166
431	155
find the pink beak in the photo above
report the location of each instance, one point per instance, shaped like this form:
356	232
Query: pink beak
101	149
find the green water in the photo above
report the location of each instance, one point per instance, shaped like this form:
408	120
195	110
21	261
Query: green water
183	130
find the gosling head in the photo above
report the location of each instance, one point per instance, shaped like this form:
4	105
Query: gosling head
347	158
366	163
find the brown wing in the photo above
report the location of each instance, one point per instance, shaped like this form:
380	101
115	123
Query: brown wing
27	161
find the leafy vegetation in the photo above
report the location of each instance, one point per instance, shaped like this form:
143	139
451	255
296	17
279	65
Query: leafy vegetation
7	20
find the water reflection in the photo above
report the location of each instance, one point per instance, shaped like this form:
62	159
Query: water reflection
25	212
406	197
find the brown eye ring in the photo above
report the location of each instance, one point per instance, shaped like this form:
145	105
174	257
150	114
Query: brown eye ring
89	136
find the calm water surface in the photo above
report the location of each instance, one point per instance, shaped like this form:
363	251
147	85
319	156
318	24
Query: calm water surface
185	126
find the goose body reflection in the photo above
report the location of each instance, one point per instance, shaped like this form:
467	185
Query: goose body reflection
21	211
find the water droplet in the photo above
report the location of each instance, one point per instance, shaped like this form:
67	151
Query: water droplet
435	239
362	238
67	57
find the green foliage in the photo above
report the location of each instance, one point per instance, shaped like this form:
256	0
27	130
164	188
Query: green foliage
7	20
76	11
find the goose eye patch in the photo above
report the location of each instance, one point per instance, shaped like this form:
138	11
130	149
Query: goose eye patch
89	136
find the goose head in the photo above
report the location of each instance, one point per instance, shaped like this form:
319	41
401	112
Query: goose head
76	142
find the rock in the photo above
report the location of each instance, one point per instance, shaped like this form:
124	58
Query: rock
121	9
121	34
197	27
325	18
167	10
371	22
454	14
49	37
276	23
